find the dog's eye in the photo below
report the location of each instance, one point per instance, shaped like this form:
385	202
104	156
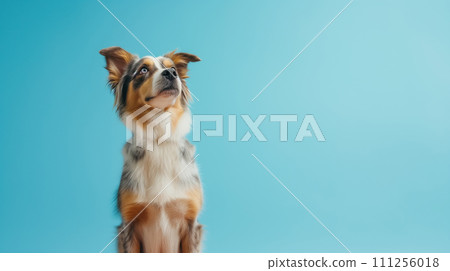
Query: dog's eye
143	70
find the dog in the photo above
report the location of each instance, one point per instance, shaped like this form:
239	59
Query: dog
160	193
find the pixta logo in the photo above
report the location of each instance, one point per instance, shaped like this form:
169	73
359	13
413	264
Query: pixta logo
148	126
308	127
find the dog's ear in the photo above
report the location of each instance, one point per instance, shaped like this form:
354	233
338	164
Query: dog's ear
181	61
117	60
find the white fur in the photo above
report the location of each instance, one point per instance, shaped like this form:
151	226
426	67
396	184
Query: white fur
161	175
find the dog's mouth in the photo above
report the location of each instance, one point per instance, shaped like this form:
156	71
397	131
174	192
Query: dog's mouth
170	91
165	92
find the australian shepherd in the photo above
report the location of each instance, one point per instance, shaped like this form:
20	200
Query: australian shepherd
160	193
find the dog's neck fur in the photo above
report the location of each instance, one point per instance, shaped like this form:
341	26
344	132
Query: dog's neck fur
180	126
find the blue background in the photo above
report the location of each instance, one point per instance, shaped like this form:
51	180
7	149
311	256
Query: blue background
377	81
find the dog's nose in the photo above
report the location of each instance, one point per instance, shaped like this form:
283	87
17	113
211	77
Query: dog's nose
170	73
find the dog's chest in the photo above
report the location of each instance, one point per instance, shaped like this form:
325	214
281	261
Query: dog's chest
167	173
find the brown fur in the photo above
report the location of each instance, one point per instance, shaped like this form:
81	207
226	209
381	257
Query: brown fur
117	60
181	214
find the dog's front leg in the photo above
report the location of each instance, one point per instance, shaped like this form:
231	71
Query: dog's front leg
128	241
191	240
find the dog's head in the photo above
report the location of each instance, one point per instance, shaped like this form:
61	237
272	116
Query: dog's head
158	82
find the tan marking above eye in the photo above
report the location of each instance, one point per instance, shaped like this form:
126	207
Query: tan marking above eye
148	61
167	63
